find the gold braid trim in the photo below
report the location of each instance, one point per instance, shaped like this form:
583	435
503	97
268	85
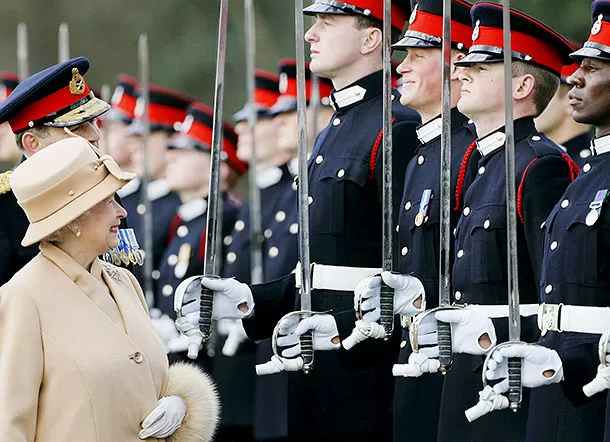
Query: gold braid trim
5	182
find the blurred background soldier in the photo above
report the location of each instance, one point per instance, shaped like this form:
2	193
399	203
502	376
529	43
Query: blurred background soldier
116	121
556	121
166	111
9	152
50	105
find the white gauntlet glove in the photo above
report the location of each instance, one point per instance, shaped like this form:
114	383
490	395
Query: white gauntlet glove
467	328
601	381
164	419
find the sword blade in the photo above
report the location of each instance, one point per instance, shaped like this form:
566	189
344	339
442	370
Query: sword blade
22	52
63	43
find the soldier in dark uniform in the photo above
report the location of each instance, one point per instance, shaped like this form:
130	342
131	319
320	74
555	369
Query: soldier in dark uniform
166	110
575	269
349	394
542	172
9	153
418	400
556	122
50	105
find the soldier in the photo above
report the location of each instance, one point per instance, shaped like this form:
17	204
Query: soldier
418	400
120	116
348	396
9	153
50	105
556	122
542	172
166	110
574	269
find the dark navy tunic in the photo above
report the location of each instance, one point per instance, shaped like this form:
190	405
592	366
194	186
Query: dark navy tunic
578	148
345	185
418	247
542	173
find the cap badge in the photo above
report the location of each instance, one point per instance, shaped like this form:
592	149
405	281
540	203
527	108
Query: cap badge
476	31
413	15
139	109
597	26
77	84
117	96
283	82
186	125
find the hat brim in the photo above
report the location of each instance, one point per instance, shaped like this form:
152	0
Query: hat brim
184	142
283	106
83	113
479	57
244	113
39	230
318	8
411	41
586	52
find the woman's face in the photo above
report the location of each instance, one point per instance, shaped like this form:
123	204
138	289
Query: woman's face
100	227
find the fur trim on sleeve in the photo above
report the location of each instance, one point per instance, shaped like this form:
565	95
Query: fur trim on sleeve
202	404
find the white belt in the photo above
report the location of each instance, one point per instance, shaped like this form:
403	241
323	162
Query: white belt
501	311
573	318
343	279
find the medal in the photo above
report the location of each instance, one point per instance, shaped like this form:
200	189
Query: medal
422	214
596	207
116	258
184	258
132	257
139	257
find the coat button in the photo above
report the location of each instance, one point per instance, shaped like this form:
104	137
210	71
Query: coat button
137	357
239	225
294	228
231	257
336	122
420	160
466	211
182	231
543	224
408	205
536	138
172	260
481	170
227	240
268	233
341	173
280	216
319	159
404	251
548	289
274	251
156	274
460	253
167	290
141	209
458	295
553	245
586	168
310	199
403	344
565	203
585	153
454	231
397	228
486	224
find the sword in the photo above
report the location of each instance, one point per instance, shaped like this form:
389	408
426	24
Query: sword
105	95
307	352
314	104
387	293
144	67
256	234
206	300
23	68
64	43
444	297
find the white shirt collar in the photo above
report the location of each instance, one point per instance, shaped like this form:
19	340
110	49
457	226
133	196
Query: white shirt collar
600	145
129	188
347	97
268	177
430	130
192	209
157	189
491	143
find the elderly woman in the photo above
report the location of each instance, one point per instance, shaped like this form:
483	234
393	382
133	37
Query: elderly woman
79	359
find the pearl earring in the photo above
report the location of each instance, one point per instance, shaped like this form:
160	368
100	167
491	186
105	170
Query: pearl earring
79	233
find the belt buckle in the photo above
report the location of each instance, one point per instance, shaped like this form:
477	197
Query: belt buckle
550	318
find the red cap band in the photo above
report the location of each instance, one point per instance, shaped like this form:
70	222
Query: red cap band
602	36
165	115
265	98
399	16
126	104
432	24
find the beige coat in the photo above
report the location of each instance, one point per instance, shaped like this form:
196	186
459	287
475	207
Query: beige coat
79	359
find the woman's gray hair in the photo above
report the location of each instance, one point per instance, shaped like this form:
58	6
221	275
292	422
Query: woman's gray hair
60	234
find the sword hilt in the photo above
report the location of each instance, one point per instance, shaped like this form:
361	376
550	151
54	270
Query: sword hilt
307	351
206	302
445	351
514	383
386	301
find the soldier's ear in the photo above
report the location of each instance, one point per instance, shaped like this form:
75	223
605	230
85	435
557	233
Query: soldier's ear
523	87
373	39
31	143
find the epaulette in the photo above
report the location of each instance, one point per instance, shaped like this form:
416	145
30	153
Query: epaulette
5	182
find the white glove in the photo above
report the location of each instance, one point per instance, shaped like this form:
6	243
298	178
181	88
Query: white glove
361	332
324	331
601	381
188	326
535	360
229	294
407	289
235	337
164	419
489	401
467	326
165	328
418	364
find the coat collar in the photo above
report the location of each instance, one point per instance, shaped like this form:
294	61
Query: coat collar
432	129
600	145
192	209
268	177
495	140
363	89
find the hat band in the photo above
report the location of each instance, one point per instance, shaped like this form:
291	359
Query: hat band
432	25
86	177
127	105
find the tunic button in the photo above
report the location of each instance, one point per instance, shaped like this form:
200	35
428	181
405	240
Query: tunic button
421	160
404	251
319	159
393	97
141	209
239	225
536	138
454	231
310	199
586	168
585	153
274	251
231	257
543	224
460	253
486	224
268	233
553	245
403	344
458	296
336	122
182	231
397	229
172	260
167	290
466	211
228	240
548	289
408	205
565	203
156	274
280	216
481	170
294	228
341	173
137	357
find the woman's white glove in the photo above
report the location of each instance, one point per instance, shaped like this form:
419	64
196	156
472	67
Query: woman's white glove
164	419
407	290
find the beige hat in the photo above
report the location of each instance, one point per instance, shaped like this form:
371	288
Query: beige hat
61	182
